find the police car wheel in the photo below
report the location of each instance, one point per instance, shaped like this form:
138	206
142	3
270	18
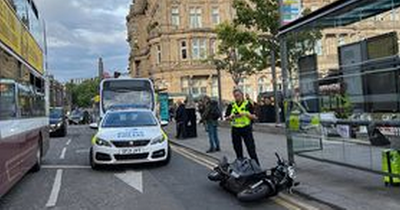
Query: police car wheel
166	161
93	165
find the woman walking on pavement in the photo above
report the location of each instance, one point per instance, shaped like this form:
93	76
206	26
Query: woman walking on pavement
210	118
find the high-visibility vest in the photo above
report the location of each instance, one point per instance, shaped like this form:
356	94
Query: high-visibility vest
240	122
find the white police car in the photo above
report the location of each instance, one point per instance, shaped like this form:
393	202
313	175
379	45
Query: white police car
128	137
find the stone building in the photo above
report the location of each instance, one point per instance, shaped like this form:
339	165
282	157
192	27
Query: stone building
170	40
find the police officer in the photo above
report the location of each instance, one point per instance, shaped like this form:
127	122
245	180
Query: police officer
241	114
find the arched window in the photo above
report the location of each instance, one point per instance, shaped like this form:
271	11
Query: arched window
263	85
245	86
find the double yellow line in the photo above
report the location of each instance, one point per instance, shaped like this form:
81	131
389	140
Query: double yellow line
283	200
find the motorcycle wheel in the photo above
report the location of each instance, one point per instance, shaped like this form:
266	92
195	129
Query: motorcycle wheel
250	195
215	176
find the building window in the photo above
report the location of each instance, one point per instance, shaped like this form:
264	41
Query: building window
215	15
245	86
341	40
183	50
263	85
195	49
203	48
195	17
199	48
213	47
175	21
318	47
196	86
158	54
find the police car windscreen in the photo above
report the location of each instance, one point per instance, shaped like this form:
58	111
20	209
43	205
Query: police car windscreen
129	119
138	94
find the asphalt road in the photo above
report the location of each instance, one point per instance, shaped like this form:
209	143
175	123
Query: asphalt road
67	182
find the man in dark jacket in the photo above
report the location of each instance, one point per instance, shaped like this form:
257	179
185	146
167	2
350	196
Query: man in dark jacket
180	118
210	119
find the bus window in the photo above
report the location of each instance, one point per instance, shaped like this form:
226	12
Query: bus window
7	101
20	7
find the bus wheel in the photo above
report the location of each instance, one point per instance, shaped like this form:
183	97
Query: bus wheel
38	156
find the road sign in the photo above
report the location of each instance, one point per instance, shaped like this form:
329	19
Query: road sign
290	10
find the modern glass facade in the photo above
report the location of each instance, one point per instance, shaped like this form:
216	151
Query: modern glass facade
342	83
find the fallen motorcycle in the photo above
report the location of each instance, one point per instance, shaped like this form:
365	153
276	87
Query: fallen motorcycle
249	182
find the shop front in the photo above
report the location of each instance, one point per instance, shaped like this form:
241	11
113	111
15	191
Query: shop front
341	69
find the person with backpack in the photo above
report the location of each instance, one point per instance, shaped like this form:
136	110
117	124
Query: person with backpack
210	118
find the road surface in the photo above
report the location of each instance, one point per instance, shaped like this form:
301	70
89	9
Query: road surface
67	182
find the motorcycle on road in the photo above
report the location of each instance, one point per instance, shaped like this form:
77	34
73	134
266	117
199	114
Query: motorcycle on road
249	182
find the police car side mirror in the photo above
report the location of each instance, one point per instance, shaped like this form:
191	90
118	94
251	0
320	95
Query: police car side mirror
94	126
164	123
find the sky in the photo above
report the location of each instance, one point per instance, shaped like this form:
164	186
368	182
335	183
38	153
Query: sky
80	31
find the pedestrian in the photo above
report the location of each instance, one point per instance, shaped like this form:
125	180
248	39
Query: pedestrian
241	113
248	98
180	119
253	104
210	117
267	111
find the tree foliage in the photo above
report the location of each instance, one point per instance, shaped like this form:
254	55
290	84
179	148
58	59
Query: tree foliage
235	51
82	94
247	43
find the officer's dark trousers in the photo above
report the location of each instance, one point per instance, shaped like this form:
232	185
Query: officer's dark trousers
244	134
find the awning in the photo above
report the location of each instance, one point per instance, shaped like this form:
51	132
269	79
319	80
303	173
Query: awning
340	13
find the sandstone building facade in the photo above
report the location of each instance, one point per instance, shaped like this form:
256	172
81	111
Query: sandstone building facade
170	40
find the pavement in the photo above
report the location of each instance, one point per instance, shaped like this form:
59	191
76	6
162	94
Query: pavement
338	187
67	182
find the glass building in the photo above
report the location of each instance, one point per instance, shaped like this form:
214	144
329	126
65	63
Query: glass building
341	69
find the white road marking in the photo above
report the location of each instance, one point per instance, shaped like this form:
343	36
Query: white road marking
82	151
282	199
65	167
69	141
55	191
132	178
62	156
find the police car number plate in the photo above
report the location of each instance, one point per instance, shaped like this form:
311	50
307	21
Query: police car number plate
130	151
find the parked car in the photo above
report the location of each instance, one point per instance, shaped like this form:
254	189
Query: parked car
76	117
58	122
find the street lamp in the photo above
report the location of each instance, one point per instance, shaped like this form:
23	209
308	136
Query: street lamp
219	66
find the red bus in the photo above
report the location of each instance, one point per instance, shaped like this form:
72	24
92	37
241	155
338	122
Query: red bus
24	130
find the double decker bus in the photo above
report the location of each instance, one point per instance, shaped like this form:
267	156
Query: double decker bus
24	131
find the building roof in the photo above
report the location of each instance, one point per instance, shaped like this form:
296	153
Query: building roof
340	13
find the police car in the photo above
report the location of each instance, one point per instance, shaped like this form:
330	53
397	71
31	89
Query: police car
128	137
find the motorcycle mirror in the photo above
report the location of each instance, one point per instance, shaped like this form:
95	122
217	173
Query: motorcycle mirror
224	160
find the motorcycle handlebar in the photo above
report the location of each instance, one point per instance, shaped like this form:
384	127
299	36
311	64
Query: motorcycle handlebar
278	157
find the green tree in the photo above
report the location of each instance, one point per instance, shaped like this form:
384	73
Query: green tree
254	35
235	52
82	94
